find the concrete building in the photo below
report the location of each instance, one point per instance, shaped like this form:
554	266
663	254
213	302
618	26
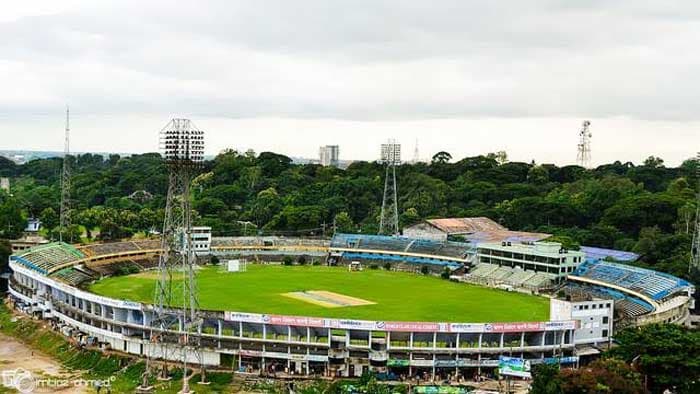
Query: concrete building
390	153
33	225
5	184
201	240
329	155
545	257
594	318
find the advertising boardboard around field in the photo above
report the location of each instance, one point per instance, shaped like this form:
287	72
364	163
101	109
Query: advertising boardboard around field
513	366
350	324
441	390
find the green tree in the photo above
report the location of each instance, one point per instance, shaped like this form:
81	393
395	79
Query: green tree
668	355
343	223
546	379
441	157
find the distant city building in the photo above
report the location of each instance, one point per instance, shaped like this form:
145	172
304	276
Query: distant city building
390	153
328	155
5	184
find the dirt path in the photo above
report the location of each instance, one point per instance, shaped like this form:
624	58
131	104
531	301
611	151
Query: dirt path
16	355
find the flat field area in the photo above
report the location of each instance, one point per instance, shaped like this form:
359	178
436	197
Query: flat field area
397	296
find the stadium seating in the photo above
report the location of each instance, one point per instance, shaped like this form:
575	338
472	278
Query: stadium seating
401	244
625	304
121	247
46	258
494	274
73	276
234	242
654	284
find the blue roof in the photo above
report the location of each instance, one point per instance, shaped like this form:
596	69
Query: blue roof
602	253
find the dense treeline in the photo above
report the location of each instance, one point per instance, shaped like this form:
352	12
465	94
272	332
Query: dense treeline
648	208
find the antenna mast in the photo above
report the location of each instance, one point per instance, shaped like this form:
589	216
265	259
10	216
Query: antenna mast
416	155
695	246
584	146
65	219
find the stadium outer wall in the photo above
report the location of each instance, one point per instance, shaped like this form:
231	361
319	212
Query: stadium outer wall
302	345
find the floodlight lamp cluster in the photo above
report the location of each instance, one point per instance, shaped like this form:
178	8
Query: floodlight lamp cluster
181	143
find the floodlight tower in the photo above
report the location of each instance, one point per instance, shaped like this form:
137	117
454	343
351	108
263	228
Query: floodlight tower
65	220
584	145
695	246
176	303
389	217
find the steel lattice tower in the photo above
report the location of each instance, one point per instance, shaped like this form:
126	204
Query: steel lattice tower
389	217
584	146
65	219
695	246
176	318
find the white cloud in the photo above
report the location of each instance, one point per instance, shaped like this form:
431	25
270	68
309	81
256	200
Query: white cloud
329	69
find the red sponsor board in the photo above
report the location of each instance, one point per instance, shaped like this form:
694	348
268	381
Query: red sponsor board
297	321
411	326
515	327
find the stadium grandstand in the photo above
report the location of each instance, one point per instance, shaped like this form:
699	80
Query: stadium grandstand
641	295
593	253
403	250
596	299
49	258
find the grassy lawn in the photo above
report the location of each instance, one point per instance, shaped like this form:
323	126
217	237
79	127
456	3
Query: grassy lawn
398	296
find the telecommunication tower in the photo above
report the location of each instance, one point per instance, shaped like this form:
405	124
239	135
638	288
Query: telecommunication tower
389	217
65	219
584	145
176	320
416	154
695	246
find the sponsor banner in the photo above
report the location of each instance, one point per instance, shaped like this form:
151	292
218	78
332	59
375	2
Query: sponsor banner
488	363
411	326
560	325
244	317
514	327
317	358
466	327
250	353
276	355
395	362
555	360
296	321
442	390
456	363
355	324
513	366
421	363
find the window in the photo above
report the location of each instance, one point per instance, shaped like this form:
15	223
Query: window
605	320
605	333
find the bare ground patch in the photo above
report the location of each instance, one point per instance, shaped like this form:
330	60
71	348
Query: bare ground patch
327	299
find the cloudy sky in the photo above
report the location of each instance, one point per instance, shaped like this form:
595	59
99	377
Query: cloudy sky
463	76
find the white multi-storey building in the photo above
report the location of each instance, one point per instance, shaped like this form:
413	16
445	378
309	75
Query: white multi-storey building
329	155
544	257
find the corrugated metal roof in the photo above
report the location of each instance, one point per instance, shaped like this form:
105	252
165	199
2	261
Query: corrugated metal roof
483	229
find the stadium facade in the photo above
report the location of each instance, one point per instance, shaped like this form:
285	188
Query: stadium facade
47	283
